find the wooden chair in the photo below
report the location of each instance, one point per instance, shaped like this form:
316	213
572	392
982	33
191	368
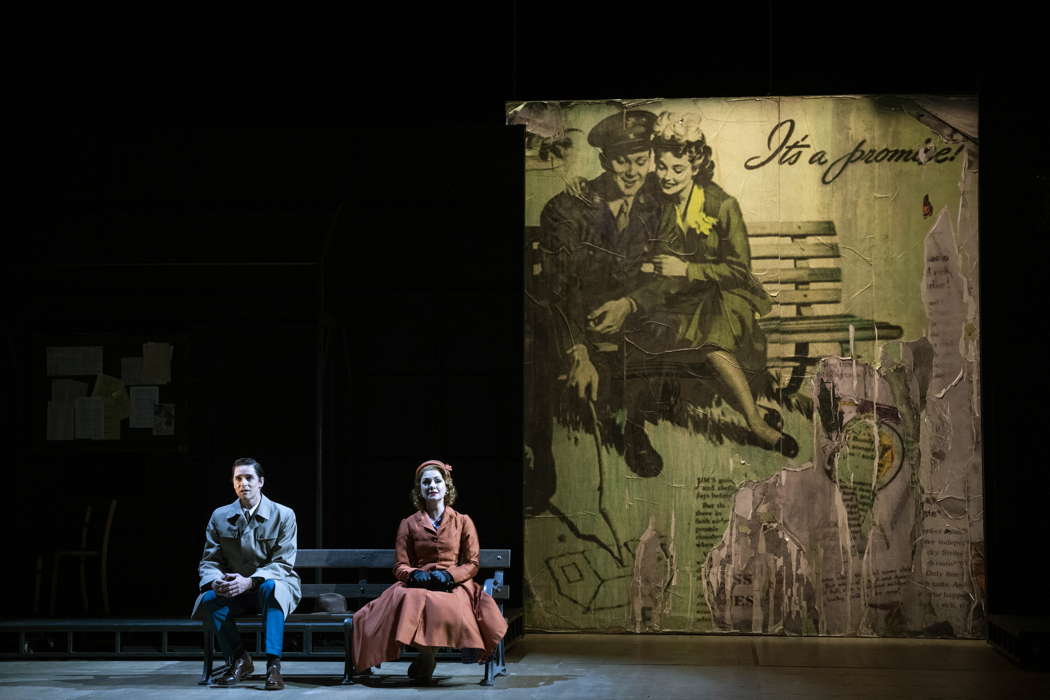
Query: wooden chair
95	528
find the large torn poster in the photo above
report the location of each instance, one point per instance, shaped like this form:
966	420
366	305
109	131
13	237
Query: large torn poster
752	392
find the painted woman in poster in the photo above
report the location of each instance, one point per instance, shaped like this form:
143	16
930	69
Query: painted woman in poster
705	242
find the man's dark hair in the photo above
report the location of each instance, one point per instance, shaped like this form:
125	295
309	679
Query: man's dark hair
248	462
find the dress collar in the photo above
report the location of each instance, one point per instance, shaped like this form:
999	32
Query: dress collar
446	517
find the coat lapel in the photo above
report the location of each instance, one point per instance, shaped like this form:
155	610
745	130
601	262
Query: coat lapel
448	524
233	519
265	510
232	512
424	522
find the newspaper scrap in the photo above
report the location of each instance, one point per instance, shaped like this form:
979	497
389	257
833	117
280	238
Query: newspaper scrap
61	419
90	416
131	371
112	391
164	419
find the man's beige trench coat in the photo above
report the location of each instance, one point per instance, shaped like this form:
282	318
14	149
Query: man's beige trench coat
266	548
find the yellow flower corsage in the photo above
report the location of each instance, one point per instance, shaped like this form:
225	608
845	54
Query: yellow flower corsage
692	215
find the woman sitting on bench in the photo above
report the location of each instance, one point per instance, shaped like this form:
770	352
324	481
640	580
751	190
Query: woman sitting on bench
704	242
435	602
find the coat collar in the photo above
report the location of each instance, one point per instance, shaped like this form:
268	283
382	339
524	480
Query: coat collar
424	519
263	512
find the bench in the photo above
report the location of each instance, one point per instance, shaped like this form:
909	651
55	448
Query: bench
797	263
807	295
179	638
360	560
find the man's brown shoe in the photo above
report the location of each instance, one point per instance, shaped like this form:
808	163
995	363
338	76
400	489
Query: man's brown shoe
242	668
274	681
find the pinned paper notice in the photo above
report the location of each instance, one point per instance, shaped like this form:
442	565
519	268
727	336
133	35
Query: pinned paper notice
164	419
74	361
67	389
131	370
61	419
156	363
90	417
112	391
143	401
110	422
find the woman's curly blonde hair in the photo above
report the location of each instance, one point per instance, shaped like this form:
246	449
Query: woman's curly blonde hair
680	135
450	493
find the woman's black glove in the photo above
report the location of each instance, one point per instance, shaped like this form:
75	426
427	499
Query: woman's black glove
440	580
419	579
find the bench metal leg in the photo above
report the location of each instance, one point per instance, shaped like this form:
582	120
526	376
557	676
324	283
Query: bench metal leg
495	666
490	674
348	651
39	581
209	655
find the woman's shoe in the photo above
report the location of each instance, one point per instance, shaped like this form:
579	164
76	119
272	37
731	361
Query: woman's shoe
422	669
785	444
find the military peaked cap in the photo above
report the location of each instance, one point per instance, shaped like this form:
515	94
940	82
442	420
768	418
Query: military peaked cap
620	134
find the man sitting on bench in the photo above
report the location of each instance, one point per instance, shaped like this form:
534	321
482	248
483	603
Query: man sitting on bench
247	566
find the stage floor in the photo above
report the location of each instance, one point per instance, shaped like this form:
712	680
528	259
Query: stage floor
597	666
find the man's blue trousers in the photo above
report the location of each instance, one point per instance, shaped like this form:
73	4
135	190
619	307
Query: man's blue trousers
219	610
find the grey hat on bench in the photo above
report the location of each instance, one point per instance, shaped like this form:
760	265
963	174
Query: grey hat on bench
331	603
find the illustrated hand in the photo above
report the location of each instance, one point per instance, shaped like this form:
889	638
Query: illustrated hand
582	374
418	579
670	266
440	580
233	585
577	187
609	317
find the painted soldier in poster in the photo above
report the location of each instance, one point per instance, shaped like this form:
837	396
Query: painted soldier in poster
595	290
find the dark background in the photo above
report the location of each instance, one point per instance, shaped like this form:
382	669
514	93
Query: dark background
351	295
